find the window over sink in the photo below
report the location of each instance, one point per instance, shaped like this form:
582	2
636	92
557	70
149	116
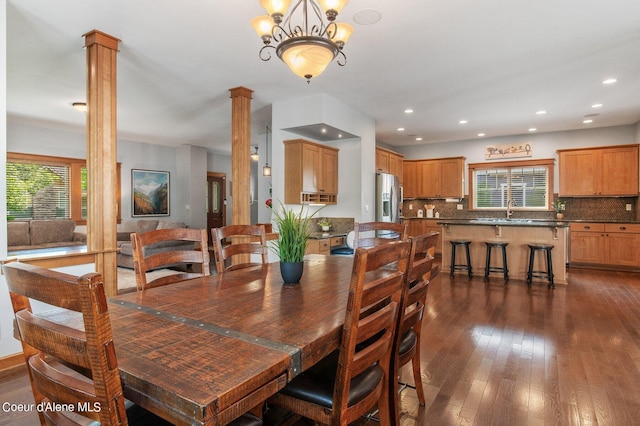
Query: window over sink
519	185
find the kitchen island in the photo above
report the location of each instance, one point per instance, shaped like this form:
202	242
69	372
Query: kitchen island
518	233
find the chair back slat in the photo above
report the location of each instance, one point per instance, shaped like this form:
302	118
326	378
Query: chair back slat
145	259
234	244
57	287
73	362
370	234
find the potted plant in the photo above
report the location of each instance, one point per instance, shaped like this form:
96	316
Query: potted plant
293	233
559	207
324	224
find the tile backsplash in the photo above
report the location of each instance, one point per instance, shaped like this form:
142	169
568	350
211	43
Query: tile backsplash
602	208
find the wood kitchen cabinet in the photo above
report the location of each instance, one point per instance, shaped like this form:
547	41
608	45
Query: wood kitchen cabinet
389	162
605	244
311	173
409	179
424	226
434	178
607	171
323	245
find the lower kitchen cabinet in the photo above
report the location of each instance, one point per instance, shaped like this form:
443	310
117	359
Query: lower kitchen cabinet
605	244
323	245
424	226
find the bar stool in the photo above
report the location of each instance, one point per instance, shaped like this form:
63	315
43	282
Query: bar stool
504	270
460	266
548	274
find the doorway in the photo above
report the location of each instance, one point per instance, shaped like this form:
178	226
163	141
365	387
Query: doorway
216	200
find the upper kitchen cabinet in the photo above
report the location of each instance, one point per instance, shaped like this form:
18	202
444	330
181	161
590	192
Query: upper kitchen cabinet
437	178
606	171
389	162
311	173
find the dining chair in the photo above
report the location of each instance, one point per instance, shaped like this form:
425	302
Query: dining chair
69	363
349	382
420	272
234	244
148	255
368	234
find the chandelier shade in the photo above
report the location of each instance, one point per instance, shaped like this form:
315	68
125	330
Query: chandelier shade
301	37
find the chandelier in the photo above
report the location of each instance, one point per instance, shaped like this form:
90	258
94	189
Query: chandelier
302	38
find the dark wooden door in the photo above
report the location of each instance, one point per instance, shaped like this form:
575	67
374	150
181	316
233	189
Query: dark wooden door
216	200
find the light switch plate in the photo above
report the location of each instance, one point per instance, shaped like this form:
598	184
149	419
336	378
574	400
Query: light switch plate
628	207
459	206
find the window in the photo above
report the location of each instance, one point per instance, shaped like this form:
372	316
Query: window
527	184
41	187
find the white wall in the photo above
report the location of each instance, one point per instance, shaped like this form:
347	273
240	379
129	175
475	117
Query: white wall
356	160
544	145
8	345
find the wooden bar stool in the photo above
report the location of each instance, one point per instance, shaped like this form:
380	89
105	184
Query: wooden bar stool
504	270
548	274
460	266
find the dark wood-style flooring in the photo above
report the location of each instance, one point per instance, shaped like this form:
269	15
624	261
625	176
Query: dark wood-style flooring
496	354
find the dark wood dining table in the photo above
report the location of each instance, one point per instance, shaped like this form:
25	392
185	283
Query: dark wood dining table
206	350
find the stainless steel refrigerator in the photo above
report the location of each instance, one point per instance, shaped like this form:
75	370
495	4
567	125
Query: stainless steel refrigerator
388	199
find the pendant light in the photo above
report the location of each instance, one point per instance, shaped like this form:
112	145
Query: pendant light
266	170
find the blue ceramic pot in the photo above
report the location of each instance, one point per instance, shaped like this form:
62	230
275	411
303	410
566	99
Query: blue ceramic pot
291	272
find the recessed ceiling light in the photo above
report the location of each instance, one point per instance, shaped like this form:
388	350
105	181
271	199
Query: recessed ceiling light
533	129
324	130
610	81
366	17
418	138
408	111
596	106
541	112
463	121
339	135
588	121
400	129
80	106
481	134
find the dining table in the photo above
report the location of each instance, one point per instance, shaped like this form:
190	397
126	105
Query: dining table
206	350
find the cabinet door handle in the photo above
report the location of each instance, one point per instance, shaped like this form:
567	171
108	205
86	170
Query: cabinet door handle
623	228
587	227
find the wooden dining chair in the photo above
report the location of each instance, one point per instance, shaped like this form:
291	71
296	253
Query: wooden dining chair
420	272
150	253
352	380
69	363
234	244
369	234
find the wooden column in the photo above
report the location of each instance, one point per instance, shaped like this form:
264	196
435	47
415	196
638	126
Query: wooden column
240	155
102	201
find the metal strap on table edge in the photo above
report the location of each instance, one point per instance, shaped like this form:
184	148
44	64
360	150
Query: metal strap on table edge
293	351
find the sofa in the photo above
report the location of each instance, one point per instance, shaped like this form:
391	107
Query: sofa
42	234
125	252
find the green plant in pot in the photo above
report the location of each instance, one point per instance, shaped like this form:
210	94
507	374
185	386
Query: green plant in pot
559	207
324	224
293	233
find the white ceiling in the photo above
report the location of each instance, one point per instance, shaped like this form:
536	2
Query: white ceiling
491	62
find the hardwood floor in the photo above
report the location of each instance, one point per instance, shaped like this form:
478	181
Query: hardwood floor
496	354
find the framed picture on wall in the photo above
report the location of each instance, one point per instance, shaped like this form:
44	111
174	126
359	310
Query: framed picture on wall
149	193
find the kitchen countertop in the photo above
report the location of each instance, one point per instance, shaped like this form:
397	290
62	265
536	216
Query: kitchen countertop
568	221
506	222
330	234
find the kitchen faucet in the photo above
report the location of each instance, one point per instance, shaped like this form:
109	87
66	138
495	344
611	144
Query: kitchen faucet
510	204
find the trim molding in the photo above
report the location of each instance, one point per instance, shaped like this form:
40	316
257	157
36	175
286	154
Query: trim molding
11	361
